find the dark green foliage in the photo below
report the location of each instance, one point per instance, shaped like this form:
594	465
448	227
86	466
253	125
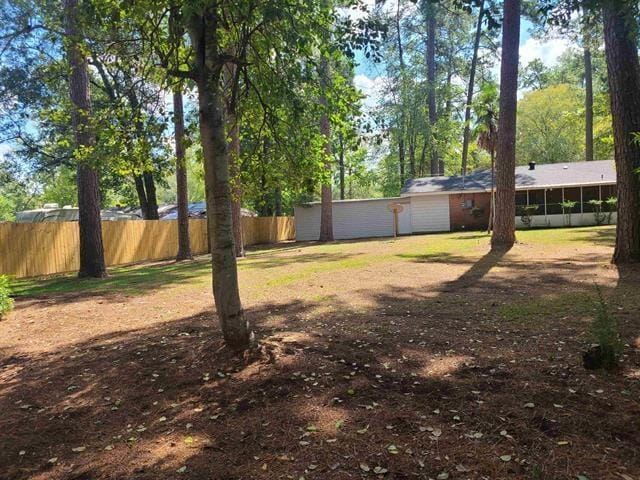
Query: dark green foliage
526	212
604	331
598	214
6	302
567	208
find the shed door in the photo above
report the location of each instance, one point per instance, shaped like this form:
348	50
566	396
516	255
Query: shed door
430	213
404	220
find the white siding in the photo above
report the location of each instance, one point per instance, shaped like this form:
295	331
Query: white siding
558	220
351	219
307	222
430	213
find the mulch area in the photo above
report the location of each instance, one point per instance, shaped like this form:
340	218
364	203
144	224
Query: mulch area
422	384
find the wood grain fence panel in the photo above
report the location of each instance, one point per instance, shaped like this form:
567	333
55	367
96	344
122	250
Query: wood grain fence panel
37	249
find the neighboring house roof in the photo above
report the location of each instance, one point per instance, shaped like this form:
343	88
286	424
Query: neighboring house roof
347	200
551	175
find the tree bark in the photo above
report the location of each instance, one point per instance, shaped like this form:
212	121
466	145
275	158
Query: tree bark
412	156
472	80
326	207
505	207
623	70
142	196
236	187
203	30
182	194
92	262
401	119
152	198
401	157
277	208
588	104
492	201
341	165
431	85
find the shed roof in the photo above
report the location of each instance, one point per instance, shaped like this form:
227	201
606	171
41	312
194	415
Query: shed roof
551	175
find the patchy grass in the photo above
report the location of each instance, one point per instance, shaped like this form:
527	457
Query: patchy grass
576	304
129	280
301	262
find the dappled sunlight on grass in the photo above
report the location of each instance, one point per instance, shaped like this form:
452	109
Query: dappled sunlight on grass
444	366
133	280
604	235
295	263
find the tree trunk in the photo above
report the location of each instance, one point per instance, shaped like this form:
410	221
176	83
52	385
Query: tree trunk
142	196
492	201
624	84
588	104
505	207
412	156
182	196
326	207
431	85
90	226
152	199
236	187
277	208
472	79
341	166
401	120
401	159
204	38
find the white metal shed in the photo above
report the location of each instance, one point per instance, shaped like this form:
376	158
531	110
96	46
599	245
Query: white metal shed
354	219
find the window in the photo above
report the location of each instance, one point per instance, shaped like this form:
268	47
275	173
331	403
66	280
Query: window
468	204
573	194
589	193
609	191
521	198
536	197
554	198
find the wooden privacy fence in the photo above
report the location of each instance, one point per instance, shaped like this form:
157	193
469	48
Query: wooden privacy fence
35	249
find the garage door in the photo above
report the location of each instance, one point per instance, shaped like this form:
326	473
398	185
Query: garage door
430	213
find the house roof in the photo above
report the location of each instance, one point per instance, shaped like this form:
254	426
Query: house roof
551	175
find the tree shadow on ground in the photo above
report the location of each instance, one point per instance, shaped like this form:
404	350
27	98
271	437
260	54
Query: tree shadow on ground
419	383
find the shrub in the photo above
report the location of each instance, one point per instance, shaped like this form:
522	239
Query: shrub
567	208
6	302
604	330
526	212
598	214
612	206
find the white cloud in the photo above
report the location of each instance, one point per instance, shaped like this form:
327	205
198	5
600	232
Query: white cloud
546	50
4	149
372	88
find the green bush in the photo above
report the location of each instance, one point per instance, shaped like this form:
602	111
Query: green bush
612	206
6	302
598	214
605	333
567	208
526	213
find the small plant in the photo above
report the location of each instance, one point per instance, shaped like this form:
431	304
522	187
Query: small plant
526	213
476	212
567	208
608	347
612	206
598	214
6	302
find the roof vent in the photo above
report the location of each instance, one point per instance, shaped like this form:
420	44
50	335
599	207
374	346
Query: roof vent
532	165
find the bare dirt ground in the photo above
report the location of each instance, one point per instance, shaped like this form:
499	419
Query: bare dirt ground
422	357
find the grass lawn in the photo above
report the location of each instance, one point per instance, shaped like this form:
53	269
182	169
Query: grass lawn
418	357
